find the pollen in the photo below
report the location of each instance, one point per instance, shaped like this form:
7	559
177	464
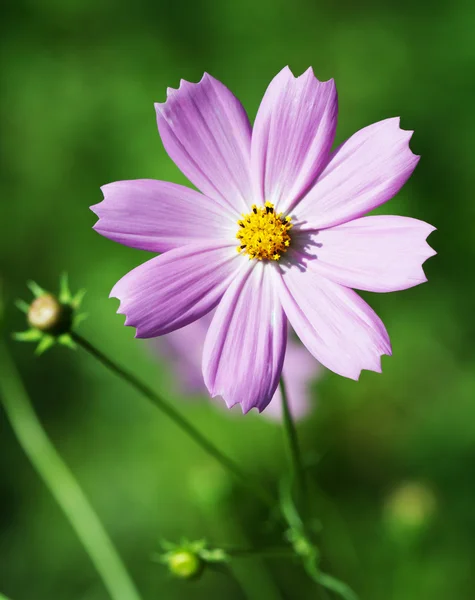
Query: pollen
264	234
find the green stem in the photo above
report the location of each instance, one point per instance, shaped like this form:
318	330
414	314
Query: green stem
61	482
296	464
175	416
283	552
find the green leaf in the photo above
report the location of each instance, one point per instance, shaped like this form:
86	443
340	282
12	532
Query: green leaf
78	298
196	546
36	290
78	319
30	335
47	341
22	305
166	545
64	293
67	340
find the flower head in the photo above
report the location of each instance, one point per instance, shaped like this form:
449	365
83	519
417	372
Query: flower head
183	348
255	183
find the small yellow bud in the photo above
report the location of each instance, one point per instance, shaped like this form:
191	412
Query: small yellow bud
51	318
47	314
410	507
185	564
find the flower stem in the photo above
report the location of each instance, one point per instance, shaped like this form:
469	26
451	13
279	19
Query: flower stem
61	483
283	552
175	416
296	465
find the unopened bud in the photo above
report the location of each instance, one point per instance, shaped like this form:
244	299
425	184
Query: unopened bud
47	314
410	507
51	318
188	559
185	564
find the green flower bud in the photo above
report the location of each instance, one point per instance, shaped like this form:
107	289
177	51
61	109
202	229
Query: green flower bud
47	314
409	509
185	564
187	560
51	318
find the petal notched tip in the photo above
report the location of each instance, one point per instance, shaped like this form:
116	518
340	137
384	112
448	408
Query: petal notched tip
404	135
309	74
231	402
105	189
165	110
121	310
246	409
184	84
96	209
375	367
428	251
219	394
287	72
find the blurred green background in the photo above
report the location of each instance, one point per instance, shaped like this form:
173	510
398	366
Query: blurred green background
79	80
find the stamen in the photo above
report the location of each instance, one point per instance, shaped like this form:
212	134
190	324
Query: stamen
264	234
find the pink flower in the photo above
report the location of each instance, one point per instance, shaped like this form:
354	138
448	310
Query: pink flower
183	349
297	209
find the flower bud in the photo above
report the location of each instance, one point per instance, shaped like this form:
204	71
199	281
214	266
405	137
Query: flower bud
409	508
47	314
188	559
185	564
51	318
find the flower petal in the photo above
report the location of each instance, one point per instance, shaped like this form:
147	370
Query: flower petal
292	137
175	288
363	173
378	253
333	322
206	132
183	349
245	345
159	216
300	369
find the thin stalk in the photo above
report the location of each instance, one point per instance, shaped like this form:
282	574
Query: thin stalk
284	552
290	431
61	483
176	417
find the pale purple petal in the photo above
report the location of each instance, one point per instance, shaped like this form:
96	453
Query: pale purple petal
183	348
300	369
175	288
292	136
158	216
334	323
378	253
245	345
363	173
206	132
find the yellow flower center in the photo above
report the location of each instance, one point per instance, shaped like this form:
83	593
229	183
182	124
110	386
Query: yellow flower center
263	234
